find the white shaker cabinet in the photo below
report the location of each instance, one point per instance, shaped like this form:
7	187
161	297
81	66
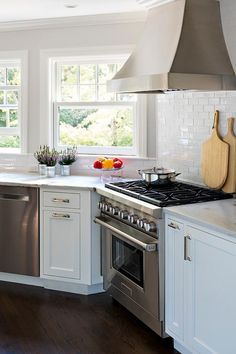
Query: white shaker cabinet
62	244
174	278
200	289
70	253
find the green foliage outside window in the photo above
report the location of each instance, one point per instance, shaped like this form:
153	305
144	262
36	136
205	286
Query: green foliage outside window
112	126
10	81
9	141
104	125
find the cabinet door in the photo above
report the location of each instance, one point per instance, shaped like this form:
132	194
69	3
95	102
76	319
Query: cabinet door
61	244
210	294
174	270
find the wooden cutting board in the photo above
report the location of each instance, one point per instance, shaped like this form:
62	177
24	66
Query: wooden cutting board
230	138
214	159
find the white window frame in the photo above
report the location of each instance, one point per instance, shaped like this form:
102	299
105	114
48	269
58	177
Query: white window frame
48	131
20	58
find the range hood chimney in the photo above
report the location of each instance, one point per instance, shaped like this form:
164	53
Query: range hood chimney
182	48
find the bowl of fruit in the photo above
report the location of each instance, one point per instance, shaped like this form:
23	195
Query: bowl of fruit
108	164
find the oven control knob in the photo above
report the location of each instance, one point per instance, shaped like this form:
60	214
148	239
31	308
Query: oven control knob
150	226
110	208
115	210
141	222
132	218
123	214
100	205
107	207
104	206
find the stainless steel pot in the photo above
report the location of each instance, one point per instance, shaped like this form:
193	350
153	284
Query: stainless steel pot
158	176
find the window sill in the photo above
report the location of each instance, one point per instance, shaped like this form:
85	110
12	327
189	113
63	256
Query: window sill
11	151
127	157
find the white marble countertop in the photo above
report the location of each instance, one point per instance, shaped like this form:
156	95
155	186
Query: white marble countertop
218	215
35	180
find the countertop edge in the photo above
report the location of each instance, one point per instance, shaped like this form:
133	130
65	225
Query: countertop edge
229	232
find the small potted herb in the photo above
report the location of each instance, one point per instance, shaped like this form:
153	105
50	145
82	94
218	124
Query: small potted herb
40	156
66	159
51	161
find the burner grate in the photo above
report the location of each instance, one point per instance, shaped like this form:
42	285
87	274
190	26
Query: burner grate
175	193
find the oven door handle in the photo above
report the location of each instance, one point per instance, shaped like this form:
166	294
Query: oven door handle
149	247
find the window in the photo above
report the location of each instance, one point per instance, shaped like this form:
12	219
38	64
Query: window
11	107
85	114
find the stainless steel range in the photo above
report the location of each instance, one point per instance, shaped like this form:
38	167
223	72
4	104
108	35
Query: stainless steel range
133	242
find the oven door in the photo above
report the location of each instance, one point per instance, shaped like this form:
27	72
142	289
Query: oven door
130	264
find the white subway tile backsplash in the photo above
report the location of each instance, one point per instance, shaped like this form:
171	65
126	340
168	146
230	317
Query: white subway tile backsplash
231	93
205	101
220	94
198	108
189	108
209	108
180	136
215	101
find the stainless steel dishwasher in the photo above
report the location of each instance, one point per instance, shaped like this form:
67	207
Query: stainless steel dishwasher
19	230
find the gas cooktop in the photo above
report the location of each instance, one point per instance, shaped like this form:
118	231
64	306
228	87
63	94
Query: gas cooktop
175	193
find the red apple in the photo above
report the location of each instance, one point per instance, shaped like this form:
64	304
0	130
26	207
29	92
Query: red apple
117	164
97	164
115	159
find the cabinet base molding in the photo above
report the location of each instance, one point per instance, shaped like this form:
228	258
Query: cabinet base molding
82	289
50	284
21	279
180	348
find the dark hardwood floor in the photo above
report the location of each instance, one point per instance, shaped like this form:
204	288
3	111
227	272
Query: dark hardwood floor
38	321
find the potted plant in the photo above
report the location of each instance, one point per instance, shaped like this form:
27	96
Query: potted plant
51	161
66	159
40	156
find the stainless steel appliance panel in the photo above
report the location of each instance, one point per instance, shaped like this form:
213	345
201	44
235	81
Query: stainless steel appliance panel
19	230
142	289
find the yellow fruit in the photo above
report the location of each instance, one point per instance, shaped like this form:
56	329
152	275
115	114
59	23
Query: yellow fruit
108	163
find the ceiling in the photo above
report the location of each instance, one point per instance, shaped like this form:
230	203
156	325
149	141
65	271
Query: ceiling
15	10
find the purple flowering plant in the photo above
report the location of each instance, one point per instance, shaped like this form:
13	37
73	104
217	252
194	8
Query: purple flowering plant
68	156
46	156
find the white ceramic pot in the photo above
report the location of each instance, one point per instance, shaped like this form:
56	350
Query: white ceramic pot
65	170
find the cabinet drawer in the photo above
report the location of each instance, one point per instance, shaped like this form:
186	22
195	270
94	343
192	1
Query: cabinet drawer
61	200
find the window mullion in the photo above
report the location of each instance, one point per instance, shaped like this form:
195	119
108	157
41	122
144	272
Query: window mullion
11	70
78	82
96	103
9	131
96	131
96	83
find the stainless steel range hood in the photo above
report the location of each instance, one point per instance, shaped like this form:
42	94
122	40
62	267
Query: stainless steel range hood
182	48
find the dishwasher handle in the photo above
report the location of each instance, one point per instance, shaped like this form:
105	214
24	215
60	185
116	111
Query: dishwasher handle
17	197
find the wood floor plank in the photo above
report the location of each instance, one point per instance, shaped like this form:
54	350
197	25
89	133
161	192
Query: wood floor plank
38	321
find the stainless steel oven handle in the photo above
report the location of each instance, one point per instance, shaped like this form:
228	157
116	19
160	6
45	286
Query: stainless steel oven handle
149	247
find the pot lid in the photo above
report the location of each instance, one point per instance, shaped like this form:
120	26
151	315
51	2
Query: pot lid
158	171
